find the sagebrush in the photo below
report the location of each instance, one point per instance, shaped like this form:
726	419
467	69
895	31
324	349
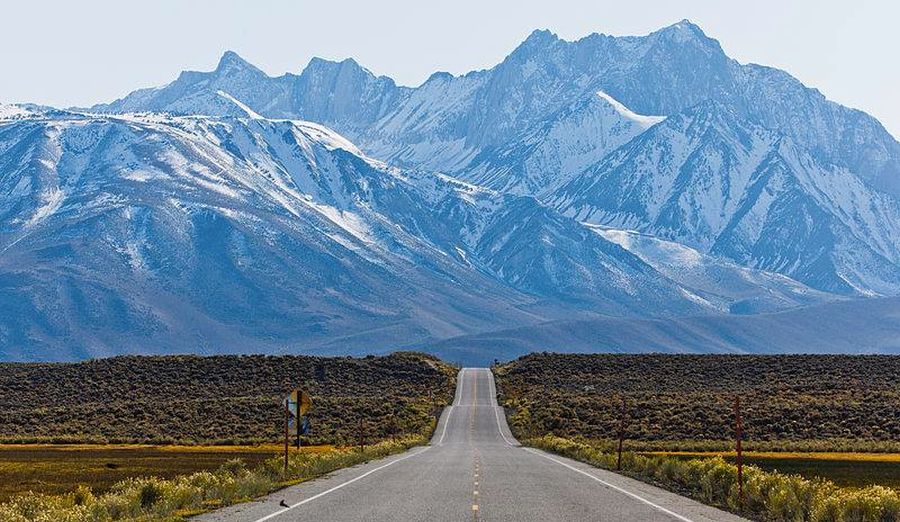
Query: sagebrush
154	499
768	496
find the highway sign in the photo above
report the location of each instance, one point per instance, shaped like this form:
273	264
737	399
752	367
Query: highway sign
295	406
304	426
305	402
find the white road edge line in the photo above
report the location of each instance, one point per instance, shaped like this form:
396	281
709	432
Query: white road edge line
612	486
446	422
457	397
456	400
339	486
497	408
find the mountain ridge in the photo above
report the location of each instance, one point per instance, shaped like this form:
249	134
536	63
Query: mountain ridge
647	178
633	74
221	233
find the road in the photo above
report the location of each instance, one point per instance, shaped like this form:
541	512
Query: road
473	470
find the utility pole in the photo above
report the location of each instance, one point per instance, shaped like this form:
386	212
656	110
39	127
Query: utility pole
621	436
738	435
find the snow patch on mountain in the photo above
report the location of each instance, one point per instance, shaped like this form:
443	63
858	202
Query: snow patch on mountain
559	148
9	112
646	121
50	202
249	112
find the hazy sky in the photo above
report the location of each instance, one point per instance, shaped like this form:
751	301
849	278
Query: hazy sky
67	53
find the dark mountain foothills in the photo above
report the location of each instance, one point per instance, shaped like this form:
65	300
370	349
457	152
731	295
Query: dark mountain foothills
670	400
681	401
221	399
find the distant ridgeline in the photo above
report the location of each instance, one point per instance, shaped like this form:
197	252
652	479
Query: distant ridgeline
649	179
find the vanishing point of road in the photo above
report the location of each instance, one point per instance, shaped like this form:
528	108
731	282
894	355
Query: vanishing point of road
473	470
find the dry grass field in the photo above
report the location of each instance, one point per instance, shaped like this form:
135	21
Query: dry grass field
55	469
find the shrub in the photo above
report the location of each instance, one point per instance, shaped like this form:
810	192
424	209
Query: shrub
768	496
218	400
684	402
150	494
152	499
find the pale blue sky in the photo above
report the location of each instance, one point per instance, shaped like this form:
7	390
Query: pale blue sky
77	53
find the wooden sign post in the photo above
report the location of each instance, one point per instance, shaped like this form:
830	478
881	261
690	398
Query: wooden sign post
296	403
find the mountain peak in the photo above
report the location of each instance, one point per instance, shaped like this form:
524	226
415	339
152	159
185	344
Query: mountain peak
537	41
439	76
685	25
231	62
540	37
683	31
318	65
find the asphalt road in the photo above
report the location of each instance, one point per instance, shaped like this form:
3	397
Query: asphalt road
473	470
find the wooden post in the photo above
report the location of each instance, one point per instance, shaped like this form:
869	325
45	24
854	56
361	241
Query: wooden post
738	435
286	436
621	436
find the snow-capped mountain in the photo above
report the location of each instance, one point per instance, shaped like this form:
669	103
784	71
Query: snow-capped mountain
195	92
541	121
158	233
562	146
127	234
733	189
445	123
594	182
341	95
151	232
